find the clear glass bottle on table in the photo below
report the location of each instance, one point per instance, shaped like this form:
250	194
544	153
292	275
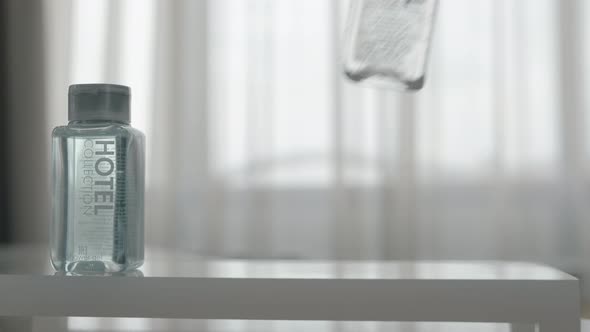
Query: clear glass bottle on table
98	183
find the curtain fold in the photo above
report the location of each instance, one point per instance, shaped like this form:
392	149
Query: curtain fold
25	179
5	224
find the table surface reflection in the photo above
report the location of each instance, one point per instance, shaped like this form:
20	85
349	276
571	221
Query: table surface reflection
33	260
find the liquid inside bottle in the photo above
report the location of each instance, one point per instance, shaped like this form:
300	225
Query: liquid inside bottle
98	166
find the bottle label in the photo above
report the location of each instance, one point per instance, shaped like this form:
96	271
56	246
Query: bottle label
93	187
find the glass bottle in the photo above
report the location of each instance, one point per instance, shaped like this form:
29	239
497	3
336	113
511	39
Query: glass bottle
98	183
387	41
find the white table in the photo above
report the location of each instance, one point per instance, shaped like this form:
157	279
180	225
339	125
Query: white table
180	285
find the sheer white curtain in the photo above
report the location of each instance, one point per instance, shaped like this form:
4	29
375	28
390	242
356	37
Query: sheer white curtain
258	146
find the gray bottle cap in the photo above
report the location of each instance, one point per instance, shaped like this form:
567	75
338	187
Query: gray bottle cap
99	102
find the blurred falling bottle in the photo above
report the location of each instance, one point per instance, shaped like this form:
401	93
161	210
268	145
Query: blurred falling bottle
387	41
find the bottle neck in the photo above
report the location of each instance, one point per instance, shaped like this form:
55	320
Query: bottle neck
96	122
